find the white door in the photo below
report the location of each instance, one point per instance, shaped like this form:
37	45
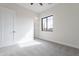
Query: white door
7	26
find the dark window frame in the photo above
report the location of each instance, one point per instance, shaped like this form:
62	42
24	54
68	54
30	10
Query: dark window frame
42	28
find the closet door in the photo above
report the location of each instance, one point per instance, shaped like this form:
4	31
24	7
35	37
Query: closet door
0	27
7	25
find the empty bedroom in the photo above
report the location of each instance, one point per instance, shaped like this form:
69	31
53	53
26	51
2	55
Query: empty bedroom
39	29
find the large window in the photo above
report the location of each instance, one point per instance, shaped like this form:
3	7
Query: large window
47	23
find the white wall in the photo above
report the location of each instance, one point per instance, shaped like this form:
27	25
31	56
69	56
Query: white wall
66	25
24	25
36	26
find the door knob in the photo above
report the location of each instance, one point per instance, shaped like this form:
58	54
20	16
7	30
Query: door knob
14	31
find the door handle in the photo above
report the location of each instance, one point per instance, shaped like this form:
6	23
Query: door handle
14	31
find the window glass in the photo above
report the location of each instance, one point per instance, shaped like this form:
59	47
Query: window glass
50	23
47	23
44	24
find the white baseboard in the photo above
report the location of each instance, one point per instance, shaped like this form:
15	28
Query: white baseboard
64	44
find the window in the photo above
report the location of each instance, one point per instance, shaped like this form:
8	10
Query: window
47	23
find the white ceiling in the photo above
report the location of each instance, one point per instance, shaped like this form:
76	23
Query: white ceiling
36	7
